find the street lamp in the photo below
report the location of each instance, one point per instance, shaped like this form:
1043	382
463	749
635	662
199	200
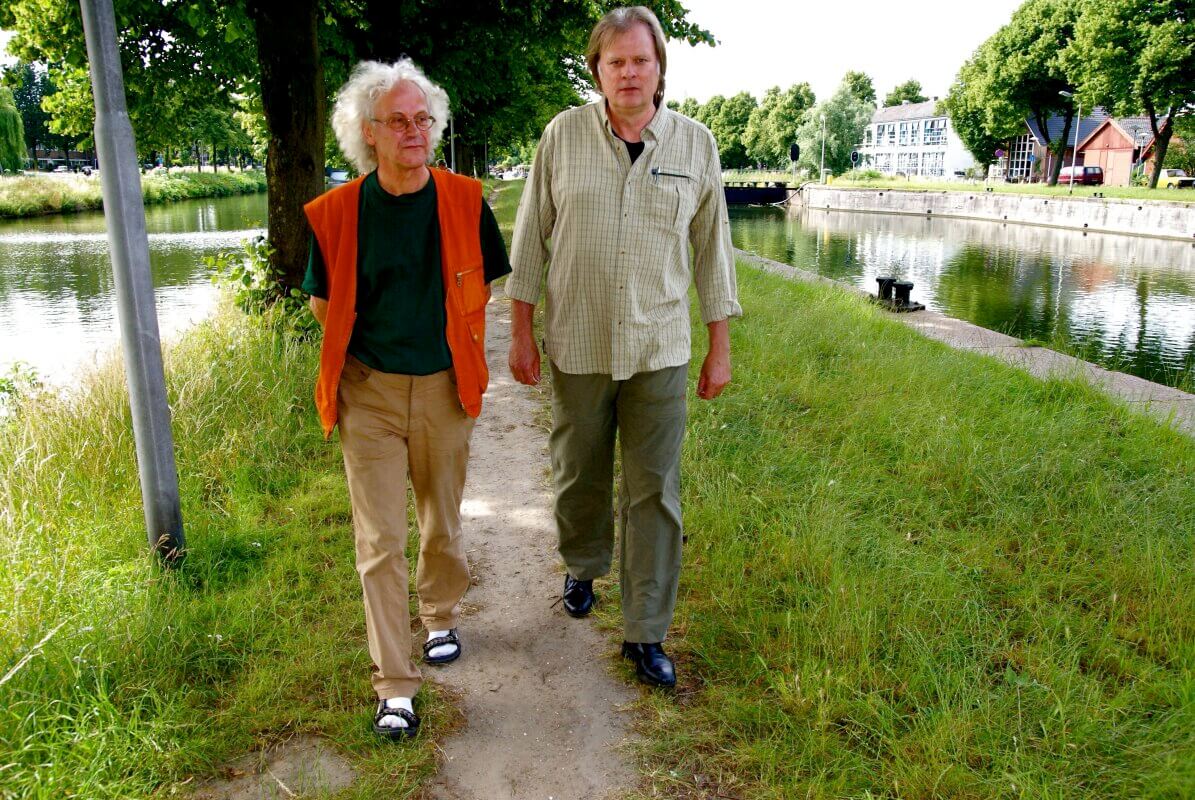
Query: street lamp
821	175
1075	146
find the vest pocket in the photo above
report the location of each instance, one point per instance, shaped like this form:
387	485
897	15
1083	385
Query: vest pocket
470	284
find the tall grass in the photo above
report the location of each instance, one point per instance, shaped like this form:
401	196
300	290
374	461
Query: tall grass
149	677
27	196
918	573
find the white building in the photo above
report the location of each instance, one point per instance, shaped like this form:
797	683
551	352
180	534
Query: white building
913	139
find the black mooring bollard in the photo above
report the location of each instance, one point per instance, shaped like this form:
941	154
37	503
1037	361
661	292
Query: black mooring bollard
904	291
885	283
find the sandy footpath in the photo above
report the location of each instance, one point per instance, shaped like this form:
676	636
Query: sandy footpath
543	716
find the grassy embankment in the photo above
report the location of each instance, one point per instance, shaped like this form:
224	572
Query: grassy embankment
1110	192
33	195
910	572
148	678
914	572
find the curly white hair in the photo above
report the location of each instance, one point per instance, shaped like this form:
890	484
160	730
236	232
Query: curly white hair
354	106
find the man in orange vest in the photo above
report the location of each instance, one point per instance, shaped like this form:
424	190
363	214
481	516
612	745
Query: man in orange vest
401	263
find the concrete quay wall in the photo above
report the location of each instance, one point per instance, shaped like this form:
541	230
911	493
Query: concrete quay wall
1108	215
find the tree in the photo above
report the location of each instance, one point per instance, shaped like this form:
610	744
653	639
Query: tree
847	117
1018	72
1181	153
966	105
1134	55
29	84
773	126
728	126
910	90
12	133
507	66
861	86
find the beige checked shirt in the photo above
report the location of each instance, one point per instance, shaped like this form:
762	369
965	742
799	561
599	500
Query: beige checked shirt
618	273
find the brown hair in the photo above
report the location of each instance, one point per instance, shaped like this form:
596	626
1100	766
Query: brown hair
619	21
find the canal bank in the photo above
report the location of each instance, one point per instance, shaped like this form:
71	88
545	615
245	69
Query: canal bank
1107	215
1168	405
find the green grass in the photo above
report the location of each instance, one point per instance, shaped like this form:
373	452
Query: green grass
149	677
1121	192
913	572
27	196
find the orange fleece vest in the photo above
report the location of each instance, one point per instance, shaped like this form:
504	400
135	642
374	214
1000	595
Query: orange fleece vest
333	217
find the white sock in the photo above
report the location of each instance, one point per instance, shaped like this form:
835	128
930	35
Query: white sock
442	650
393	720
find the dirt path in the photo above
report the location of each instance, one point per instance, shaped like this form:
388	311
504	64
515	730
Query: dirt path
542	713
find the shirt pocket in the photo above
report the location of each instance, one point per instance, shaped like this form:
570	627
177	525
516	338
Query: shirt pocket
675	196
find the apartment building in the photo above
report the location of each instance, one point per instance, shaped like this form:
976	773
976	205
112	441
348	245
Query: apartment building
913	139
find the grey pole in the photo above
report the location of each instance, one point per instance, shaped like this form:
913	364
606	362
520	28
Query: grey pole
124	214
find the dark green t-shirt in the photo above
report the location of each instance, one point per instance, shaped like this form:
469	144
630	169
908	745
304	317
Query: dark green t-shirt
400	290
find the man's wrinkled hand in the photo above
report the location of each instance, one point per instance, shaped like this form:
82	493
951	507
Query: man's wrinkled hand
524	360
715	374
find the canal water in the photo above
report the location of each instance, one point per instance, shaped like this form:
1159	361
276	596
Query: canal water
57	300
1124	302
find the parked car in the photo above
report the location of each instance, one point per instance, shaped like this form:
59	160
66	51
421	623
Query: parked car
62	168
1175	179
1083	176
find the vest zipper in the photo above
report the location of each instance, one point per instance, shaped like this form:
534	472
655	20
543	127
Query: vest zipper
460	275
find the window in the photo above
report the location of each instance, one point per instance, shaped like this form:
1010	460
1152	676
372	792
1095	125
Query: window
915	133
912	163
1019	163
891	133
935	131
883	162
904	134
932	163
867	137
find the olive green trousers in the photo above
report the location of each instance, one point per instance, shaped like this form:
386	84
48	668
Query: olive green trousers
646	416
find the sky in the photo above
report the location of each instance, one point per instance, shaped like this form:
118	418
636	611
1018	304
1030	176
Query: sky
764	43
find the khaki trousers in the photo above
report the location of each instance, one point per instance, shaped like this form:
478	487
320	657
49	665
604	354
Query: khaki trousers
392	427
647	411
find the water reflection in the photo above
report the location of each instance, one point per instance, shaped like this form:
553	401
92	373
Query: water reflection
57	302
1122	301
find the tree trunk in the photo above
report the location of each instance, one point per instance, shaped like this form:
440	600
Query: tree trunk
1161	143
292	97
1060	153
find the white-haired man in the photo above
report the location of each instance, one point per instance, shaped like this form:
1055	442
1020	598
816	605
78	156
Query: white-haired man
622	187
399	274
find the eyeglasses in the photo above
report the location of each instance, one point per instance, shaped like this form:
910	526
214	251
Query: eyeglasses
399	124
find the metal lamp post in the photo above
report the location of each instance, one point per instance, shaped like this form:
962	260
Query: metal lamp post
1075	146
821	175
124	214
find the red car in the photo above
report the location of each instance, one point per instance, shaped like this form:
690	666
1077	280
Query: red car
1084	176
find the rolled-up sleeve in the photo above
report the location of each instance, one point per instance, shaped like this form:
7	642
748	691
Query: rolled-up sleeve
533	227
713	249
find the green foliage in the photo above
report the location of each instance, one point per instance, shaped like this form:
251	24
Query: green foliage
846	118
1134	55
910	90
12	133
860	85
1181	153
1015	75
728	125
773	126
256	288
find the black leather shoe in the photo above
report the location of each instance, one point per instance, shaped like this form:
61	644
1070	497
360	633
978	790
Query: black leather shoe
652	664
578	596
